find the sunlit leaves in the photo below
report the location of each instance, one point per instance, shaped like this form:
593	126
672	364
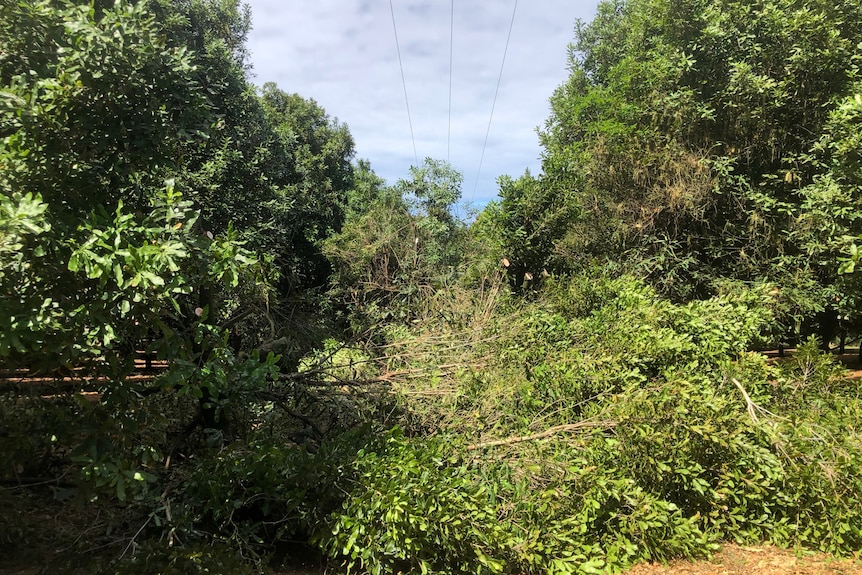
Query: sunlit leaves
697	141
100	94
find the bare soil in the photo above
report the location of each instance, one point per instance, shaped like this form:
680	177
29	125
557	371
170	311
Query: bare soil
761	560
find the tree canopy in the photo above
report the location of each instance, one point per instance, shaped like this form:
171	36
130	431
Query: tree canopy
693	141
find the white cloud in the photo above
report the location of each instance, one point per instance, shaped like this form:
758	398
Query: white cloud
342	53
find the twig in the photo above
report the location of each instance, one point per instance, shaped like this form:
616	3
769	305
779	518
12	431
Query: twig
24	482
95	527
565	428
749	405
135	536
236	319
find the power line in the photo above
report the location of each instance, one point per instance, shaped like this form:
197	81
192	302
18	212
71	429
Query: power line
494	105
451	53
404	83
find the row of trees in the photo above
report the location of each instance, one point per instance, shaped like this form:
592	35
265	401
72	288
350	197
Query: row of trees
700	141
154	200
105	103
694	143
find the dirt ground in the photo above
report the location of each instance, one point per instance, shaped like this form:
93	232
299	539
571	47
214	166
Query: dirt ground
736	560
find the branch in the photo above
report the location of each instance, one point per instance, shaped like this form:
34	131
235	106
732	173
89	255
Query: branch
565	428
22	482
229	323
750	406
280	401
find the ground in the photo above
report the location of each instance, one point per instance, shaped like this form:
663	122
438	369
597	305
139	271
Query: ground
731	560
736	560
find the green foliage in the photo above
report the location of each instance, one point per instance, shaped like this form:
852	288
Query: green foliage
337	361
198	558
263	490
390	260
272	164
139	167
314	174
431	192
700	181
529	220
106	284
700	141
433	188
419	506
94	104
842	183
367	188
33	430
414	508
615	427
117	284
592	336
100	258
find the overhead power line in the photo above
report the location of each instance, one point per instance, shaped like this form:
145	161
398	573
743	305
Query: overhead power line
451	55
494	105
403	83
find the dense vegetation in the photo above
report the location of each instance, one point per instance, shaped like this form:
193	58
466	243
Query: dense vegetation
571	383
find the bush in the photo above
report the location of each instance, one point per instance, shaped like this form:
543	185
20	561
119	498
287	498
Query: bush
414	506
614	427
196	559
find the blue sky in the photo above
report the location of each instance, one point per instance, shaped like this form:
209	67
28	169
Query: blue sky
342	53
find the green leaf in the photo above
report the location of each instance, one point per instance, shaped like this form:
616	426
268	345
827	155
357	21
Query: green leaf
847	267
153	278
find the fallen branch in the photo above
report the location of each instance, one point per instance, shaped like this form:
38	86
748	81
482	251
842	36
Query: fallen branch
24	482
134	537
751	407
565	428
778	441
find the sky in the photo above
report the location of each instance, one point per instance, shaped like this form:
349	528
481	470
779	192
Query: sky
343	54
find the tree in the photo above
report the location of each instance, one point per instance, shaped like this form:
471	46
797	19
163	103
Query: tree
367	188
312	183
100	106
434	187
95	106
530	216
273	164
92	114
100	254
392	258
831	228
684	139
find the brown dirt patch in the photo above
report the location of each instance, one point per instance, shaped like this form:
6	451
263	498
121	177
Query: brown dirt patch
766	560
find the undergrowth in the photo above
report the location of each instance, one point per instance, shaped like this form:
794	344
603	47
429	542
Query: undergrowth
609	426
590	427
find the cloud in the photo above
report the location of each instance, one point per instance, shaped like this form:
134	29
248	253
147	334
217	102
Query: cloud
343	54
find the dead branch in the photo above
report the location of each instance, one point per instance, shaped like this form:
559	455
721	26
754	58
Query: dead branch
751	407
